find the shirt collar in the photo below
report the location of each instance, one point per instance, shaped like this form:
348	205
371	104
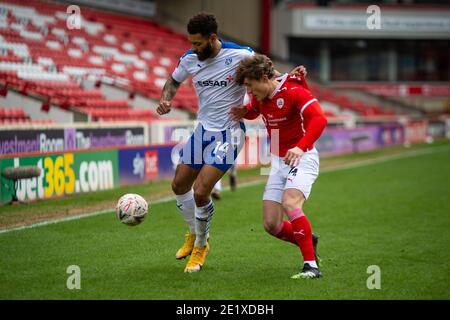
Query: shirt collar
282	80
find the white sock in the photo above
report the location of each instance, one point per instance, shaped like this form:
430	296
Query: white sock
312	263
186	206
203	217
218	186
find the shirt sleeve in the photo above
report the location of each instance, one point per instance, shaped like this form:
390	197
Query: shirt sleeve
314	122
302	98
249	52
180	74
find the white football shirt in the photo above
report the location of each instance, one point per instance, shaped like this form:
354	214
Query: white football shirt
214	84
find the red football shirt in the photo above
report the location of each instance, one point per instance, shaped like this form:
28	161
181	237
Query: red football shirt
292	116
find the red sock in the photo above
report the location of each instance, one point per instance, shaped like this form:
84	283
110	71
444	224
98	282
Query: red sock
303	234
285	232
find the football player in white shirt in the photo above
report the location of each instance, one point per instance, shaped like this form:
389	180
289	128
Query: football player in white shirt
217	140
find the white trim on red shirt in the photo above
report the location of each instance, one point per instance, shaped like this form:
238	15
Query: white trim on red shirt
307	104
282	80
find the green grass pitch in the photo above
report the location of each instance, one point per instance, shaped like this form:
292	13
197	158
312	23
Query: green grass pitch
393	214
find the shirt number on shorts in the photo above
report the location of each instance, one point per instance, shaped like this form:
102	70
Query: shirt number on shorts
222	148
293	172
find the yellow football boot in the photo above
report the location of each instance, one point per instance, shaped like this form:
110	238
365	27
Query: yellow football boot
187	247
197	259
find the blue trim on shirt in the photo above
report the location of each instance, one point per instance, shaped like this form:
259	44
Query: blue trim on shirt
232	45
187	53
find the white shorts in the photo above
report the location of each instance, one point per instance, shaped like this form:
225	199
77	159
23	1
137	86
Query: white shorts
284	177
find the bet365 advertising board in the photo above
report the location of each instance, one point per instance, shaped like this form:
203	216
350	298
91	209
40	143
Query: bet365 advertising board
85	171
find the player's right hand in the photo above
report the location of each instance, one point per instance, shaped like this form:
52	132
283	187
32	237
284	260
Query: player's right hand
163	107
292	157
299	71
237	113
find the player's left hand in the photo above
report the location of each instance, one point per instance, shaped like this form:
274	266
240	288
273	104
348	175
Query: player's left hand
237	113
299	71
293	156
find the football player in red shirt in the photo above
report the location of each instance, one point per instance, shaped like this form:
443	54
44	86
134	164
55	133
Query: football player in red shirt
294	121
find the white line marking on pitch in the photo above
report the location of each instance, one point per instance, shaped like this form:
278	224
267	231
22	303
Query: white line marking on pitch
358	164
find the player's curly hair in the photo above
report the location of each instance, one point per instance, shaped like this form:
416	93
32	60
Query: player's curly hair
203	23
254	68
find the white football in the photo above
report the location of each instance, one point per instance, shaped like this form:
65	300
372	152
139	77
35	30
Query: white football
131	209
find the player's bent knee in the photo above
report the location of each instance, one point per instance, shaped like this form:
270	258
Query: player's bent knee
179	188
201	194
271	227
271	223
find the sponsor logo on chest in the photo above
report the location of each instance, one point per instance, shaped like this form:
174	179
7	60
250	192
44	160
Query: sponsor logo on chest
212	83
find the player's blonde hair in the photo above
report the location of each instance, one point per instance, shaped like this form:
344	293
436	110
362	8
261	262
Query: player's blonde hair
255	68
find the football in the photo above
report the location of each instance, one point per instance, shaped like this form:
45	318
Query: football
131	209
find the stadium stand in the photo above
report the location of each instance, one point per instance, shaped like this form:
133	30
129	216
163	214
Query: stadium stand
18	116
40	56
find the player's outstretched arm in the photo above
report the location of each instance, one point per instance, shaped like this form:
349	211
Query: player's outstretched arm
169	91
